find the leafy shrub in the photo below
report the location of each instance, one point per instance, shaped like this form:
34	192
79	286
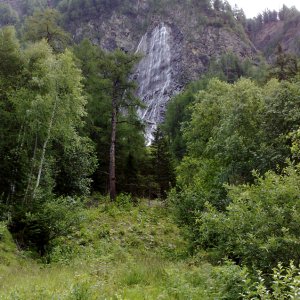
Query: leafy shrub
196	188
260	227
36	229
228	281
124	201
285	284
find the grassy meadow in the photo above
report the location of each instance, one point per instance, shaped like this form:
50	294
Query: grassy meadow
116	252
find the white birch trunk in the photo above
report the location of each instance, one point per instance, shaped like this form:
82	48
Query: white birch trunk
38	179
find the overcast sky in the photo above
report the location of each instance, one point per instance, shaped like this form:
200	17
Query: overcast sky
253	7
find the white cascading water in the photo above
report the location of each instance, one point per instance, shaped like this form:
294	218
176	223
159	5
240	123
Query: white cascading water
154	77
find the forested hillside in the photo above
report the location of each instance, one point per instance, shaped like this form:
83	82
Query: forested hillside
148	150
270	28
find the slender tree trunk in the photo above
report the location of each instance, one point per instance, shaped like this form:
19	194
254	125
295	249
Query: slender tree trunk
38	179
112	152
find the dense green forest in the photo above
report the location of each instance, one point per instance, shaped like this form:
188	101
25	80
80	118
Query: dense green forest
210	210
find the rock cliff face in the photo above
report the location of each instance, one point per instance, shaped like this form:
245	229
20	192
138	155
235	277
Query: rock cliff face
177	44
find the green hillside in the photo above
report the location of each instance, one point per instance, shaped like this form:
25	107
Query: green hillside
116	252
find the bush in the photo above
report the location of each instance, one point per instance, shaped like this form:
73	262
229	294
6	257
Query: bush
124	201
285	284
229	281
37	228
196	188
260	227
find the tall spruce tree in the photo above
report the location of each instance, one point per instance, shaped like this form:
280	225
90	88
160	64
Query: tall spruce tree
117	67
112	112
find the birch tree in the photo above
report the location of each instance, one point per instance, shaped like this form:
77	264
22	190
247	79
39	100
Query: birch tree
50	107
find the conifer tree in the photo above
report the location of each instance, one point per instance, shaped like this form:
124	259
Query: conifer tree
112	110
285	65
45	25
161	164
116	69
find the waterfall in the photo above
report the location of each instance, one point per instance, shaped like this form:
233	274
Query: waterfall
154	76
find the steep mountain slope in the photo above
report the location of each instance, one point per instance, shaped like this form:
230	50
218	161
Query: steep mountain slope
279	32
177	40
269	29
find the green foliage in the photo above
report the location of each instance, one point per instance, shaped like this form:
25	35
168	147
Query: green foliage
229	281
295	149
135	253
44	24
101	71
194	188
11	61
8	16
120	229
260	226
75	10
8	249
235	129
285	66
127	254
287	14
227	68
49	109
48	219
42	107
29	7
220	137
76	161
285	284
161	165
124	201
11	67
178	113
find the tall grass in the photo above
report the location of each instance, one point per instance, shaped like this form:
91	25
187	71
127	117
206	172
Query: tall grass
133	253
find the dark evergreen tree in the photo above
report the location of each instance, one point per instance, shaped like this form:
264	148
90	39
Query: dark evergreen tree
162	166
285	66
112	124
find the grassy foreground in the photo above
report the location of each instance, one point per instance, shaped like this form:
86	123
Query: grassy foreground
118	252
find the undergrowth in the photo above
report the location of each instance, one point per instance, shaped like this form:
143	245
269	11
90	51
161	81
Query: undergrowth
122	251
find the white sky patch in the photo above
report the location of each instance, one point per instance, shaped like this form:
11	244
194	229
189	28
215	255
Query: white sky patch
253	7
